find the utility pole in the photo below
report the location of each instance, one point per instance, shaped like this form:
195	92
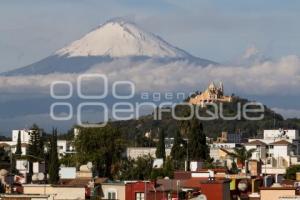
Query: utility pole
10	171
145	196
178	185
187	155
274	120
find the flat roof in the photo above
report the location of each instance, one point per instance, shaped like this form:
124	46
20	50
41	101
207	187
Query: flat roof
25	195
277	188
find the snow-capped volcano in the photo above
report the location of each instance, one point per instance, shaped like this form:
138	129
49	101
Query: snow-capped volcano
120	38
114	40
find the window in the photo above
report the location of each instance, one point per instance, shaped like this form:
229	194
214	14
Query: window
271	155
271	147
258	155
139	196
111	195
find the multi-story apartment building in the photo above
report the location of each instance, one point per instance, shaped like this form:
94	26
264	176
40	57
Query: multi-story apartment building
63	146
24	137
278	149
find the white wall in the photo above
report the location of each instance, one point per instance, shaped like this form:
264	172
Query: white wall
119	189
25	135
135	152
259	153
271	134
223	145
66	193
61	147
280	150
67	172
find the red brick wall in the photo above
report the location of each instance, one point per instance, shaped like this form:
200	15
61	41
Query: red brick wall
213	191
132	188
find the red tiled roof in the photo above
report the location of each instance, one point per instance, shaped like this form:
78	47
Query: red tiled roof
288	182
4	145
256	142
224	150
216	181
196	182
100	180
217	170
167	184
193	183
188	174
77	182
182	175
281	142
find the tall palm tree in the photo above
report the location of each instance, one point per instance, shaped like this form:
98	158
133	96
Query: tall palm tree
242	154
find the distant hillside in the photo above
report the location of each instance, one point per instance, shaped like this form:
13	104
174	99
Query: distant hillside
135	129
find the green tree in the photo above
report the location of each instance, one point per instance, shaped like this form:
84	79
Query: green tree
136	169
160	148
4	157
198	149
209	163
168	167
54	162
234	169
242	154
166	170
291	172
68	160
101	146
19	148
178	151
34	149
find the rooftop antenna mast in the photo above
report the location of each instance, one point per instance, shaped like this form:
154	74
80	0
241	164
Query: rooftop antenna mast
274	120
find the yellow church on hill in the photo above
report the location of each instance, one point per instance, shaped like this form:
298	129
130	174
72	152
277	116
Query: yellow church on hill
212	94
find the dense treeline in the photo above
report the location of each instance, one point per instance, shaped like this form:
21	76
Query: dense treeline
134	130
105	148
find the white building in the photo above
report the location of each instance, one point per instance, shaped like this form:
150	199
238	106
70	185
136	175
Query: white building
63	146
25	135
215	150
135	152
220	153
261	149
277	150
114	190
25	139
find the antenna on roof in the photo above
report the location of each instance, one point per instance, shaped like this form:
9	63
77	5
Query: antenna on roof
274	120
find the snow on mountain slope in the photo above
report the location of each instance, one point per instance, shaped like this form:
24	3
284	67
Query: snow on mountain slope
119	38
112	41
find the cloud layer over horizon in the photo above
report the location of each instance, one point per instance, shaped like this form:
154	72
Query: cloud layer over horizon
275	78
268	77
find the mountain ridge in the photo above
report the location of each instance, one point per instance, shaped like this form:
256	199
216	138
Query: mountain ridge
115	39
116	32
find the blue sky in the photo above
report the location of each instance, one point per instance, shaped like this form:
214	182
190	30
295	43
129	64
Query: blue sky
216	30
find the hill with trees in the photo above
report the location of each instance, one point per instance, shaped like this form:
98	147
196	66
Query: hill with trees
134	130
